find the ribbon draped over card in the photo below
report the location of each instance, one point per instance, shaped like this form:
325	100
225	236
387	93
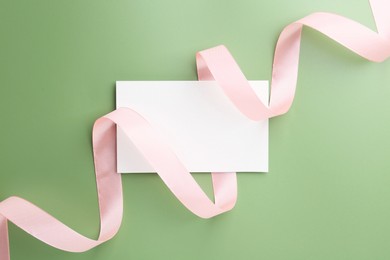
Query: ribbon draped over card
212	64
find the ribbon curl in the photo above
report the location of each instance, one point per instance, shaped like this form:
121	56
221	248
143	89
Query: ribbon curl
212	64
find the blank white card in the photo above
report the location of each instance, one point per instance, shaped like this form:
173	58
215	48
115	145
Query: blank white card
203	127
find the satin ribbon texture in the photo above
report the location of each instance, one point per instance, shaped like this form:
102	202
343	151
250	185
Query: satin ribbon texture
212	64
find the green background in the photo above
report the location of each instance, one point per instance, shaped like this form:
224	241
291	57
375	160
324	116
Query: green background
326	195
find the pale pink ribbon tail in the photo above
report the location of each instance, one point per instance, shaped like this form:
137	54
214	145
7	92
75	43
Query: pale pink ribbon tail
218	64
49	230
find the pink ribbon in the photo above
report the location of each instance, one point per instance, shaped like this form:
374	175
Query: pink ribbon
213	64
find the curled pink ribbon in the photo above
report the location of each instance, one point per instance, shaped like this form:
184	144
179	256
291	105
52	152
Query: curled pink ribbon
213	64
